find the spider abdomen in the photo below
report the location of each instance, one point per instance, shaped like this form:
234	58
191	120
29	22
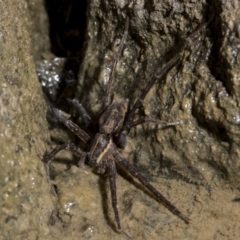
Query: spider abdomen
112	119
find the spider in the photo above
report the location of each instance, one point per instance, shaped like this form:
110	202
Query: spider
115	122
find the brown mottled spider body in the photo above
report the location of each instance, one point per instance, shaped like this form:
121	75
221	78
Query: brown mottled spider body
115	123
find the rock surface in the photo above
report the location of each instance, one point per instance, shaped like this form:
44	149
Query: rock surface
195	164
24	204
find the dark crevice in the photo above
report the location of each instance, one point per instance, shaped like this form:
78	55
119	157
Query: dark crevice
213	127
220	169
216	63
217	67
67	25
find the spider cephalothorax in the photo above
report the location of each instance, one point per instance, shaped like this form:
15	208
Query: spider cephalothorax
114	124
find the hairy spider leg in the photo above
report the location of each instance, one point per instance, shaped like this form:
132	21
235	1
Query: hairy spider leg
82	111
65	146
153	120
106	100
70	125
120	139
111	168
157	75
130	115
130	168
49	157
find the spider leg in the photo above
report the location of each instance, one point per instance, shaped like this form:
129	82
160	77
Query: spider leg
156	121
70	125
106	100
112	180
65	146
49	157
120	139
133	171
82	111
111	168
158	75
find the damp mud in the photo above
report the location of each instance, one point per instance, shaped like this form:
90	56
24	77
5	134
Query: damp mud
85	211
